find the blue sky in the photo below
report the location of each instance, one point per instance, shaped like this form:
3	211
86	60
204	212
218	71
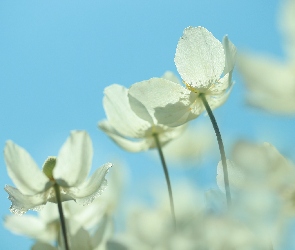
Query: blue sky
56	57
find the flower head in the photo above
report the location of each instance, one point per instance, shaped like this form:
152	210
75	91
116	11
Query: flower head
205	65
271	82
133	131
68	170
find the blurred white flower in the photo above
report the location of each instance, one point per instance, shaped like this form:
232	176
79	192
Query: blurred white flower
255	166
129	130
81	238
271	82
44	227
69	171
262	181
261	169
191	146
200	60
151	228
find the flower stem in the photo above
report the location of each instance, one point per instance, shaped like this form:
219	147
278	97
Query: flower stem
61	216
167	177
221	148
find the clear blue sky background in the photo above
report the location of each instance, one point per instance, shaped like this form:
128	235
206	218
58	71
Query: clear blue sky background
57	56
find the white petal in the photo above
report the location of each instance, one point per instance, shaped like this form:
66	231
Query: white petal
74	160
235	175
103	233
23	170
127	144
263	165
19	225
270	83
42	246
80	239
120	115
217	100
287	21
170	102
221	86
22	203
49	213
170	134
92	188
200	140
114	245
199	57
230	55
170	76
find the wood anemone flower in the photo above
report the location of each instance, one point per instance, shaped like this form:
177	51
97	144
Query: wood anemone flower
69	170
205	66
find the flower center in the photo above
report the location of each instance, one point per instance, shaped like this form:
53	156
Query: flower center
48	167
202	88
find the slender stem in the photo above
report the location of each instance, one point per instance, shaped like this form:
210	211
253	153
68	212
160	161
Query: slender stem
166	176
61	216
221	149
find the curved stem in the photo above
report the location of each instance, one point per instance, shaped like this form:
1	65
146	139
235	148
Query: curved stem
221	148
167	177
61	216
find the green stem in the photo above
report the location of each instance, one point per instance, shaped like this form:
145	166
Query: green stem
167	177
221	149
61	216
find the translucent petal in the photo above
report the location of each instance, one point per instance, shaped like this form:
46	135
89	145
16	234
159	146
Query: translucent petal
270	84
230	55
216	101
19	225
235	175
264	165
42	246
92	188
127	144
200	140
49	213
221	86
170	76
114	245
120	115
89	216
287	23
23	170
74	160
170	134
103	232
22	203
169	101
199	57
79	238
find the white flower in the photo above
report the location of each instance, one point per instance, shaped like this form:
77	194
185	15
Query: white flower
95	219
260	169
262	181
257	166
44	227
80	238
200	139
129	130
271	82
69	171
200	60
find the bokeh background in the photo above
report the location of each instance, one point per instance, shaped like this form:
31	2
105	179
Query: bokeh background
56	58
